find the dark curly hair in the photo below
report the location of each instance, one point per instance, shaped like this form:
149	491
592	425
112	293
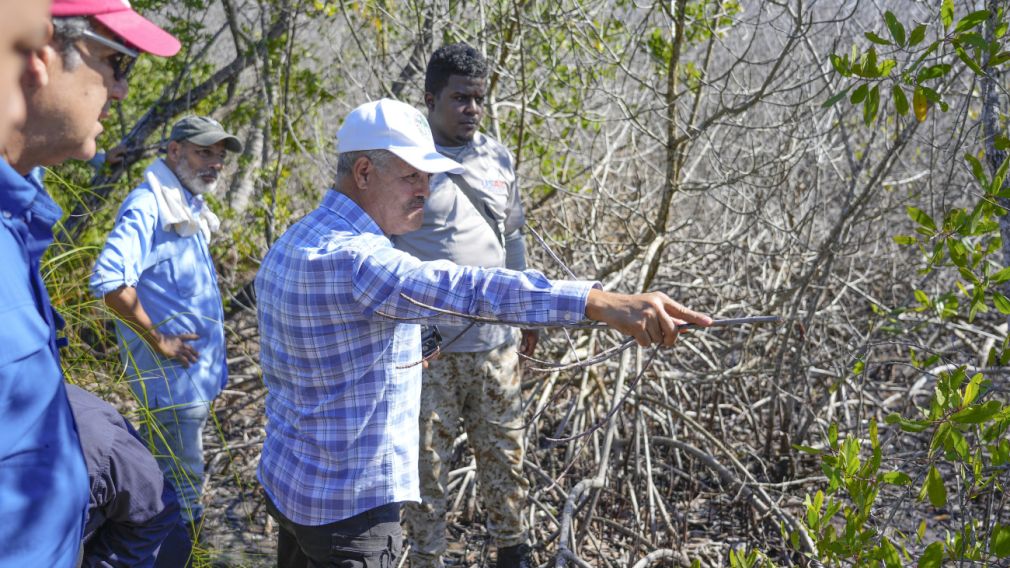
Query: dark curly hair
453	59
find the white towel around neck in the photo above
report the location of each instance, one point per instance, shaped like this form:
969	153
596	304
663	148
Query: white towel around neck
174	210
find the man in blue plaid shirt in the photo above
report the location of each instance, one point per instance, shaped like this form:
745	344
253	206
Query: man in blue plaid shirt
338	312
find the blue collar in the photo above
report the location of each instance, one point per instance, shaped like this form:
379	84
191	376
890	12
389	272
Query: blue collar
20	194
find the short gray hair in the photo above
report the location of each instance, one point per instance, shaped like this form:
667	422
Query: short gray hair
66	32
345	160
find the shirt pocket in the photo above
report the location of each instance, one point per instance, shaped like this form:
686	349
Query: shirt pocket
182	267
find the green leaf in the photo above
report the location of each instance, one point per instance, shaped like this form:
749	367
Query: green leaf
894	26
971	20
978	413
859	94
932	557
905	240
977	170
807	450
814	508
850	453
1000	58
934	488
891	557
841	65
920	217
947	13
871	105
919	104
1001	454
931	95
999	542
968	60
963	262
874	439
906	424
900	101
835	98
918	34
933	72
896	478
957	444
999	176
976	306
876	39
972	389
1001	276
1001	303
870	65
973	39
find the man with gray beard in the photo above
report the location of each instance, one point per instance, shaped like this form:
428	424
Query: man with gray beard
156	274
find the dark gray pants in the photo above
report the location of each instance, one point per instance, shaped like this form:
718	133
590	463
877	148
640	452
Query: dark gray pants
372	539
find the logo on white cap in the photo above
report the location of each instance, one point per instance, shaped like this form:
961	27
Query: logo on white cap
422	125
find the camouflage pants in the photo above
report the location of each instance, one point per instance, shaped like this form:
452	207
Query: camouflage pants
483	389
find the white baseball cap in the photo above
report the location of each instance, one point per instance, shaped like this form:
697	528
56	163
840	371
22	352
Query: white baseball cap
386	124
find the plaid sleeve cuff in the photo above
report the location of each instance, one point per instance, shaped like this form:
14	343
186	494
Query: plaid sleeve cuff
568	300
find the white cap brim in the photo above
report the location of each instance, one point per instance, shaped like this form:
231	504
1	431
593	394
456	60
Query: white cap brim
429	162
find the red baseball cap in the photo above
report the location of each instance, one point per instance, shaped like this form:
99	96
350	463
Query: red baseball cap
118	16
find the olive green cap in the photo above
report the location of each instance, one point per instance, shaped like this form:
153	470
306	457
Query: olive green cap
204	131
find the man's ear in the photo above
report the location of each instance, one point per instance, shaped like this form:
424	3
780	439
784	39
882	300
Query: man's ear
429	101
362	170
173	152
38	66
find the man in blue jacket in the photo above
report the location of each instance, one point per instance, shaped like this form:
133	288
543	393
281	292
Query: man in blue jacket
73	69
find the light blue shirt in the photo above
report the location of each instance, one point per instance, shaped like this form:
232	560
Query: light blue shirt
343	380
176	283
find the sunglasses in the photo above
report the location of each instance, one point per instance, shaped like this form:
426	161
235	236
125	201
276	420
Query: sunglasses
122	61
